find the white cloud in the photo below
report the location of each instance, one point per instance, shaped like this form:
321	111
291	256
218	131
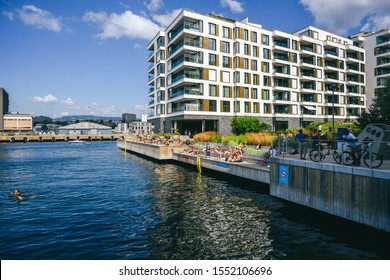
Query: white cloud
166	19
71	103
234	5
141	109
62	114
154	5
137	46
47	99
340	16
126	24
9	15
31	15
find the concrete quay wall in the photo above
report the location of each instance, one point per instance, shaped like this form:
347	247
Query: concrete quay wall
59	137
358	194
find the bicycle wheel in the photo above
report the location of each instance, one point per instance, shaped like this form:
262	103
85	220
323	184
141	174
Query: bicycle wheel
315	156
347	158
336	156
375	161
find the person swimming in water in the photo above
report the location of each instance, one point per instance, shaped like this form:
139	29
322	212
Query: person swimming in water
18	194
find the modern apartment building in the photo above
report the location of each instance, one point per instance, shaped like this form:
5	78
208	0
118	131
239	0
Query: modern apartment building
377	46
4	106
205	69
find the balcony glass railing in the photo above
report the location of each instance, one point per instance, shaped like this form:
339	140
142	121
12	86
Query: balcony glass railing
281	44
281	57
187	107
331	52
186	90
308	61
151	89
185	25
381	40
308	86
350	55
307	48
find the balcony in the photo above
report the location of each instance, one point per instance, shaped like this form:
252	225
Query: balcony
307	49
179	107
187	58
185	25
186	42
186	90
331	53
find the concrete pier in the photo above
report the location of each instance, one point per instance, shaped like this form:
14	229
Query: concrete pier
354	193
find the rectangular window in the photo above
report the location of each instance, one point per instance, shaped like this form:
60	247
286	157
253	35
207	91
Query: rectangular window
236	76
225	32
265	40
213	105
267	108
246	49
266	95
212	29
254	93
255	51
254	37
254	65
266	54
247	107
212	59
266	81
236	33
236	47
246	63
226	61
236	62
246	78
255	79
265	67
225	47
236	106
226	106
212	90
255	107
236	91
246	92
212	44
226	91
246	35
294	45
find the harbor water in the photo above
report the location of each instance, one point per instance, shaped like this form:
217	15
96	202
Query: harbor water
93	201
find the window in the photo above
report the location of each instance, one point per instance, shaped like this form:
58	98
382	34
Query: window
265	67
213	105
212	59
212	90
247	79
255	107
254	37
226	106
254	93
236	47
225	32
212	44
236	91
226	91
265	40
236	62
246	35
212	29
226	61
246	92
265	94
255	79
246	49
236	76
225	47
236	33
246	63
267	108
254	65
236	106
266	54
255	51
294	45
266	81
247	107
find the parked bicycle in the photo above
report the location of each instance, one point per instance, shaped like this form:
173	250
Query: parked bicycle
316	155
372	160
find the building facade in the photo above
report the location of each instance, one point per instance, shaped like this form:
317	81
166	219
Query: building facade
205	69
377	46
4	106
18	123
85	128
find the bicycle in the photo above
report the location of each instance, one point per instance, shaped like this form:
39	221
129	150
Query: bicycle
373	161
315	155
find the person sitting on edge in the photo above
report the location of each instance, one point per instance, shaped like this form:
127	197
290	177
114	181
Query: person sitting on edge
18	194
302	140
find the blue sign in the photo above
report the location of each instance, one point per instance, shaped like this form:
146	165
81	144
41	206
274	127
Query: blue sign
222	164
283	174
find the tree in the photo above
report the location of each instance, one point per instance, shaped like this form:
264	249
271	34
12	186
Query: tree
242	125
379	111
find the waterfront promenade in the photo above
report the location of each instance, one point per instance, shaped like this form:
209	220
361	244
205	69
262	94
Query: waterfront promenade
356	193
58	137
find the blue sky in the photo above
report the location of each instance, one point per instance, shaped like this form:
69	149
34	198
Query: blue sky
61	57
